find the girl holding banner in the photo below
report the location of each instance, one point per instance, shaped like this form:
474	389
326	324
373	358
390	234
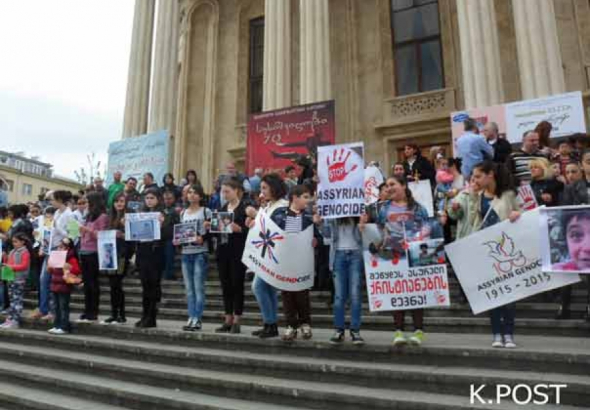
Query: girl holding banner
230	247
402	214
124	252
496	202
273	191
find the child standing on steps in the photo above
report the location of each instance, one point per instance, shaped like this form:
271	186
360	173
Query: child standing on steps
62	281
19	260
296	305
195	257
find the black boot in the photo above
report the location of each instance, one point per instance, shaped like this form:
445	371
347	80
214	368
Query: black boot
150	320
271	331
144	313
260	331
587	314
563	312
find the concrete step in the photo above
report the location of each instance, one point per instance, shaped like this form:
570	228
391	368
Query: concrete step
116	392
528	310
288	383
447	323
18	397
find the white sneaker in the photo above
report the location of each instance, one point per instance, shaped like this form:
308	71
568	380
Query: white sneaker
9	324
59	332
509	342
52	330
290	334
497	342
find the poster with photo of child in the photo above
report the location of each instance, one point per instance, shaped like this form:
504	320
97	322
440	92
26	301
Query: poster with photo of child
221	222
107	250
185	233
565	239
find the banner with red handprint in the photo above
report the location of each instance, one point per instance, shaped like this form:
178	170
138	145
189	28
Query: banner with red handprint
503	264
526	198
341	173
279	138
405	268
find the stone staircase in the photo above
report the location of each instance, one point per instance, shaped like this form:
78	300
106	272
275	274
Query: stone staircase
121	367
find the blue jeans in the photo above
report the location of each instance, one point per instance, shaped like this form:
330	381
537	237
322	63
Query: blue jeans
503	319
169	254
348	273
194	272
268	300
45	296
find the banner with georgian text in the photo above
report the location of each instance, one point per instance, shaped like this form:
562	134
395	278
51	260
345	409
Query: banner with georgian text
279	137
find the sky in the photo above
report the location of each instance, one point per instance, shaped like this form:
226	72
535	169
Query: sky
63	78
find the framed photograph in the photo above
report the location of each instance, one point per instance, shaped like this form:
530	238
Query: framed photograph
221	222
565	239
185	232
107	250
142	227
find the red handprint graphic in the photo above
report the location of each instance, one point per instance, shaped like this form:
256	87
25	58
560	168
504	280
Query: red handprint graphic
337	167
527	198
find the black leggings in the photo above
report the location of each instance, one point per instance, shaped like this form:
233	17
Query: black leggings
150	271
232	274
91	285
117	295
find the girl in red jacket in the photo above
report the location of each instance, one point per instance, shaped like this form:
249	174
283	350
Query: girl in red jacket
19	260
62	281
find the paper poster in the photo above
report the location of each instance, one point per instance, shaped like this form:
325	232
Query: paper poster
373	178
565	239
508	260
107	250
422	193
142	227
526	198
277	138
46	239
57	259
73	229
185	233
283	260
221	222
405	265
341	180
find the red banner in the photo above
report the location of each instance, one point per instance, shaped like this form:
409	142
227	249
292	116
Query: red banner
277	138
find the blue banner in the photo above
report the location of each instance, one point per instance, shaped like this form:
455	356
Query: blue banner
135	156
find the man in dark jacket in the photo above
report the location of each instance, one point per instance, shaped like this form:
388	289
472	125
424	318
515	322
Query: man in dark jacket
502	148
416	166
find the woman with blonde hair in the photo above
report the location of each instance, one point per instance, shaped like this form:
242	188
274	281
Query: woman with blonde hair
547	188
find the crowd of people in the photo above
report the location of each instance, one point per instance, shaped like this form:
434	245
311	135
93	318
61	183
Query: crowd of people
472	191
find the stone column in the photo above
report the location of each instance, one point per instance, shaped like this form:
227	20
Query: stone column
480	53
314	28
138	79
163	106
539	56
277	55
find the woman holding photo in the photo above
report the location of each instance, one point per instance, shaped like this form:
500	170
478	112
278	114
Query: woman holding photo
96	220
496	202
230	247
576	193
150	254
195	257
124	253
273	191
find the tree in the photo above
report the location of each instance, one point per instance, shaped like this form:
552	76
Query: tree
86	176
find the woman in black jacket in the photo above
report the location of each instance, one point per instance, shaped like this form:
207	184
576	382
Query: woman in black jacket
416	166
230	247
547	189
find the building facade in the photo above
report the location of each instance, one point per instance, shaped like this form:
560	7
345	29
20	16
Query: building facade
395	68
24	179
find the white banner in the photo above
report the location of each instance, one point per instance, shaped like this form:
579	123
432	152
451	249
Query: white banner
406	274
373	178
342	180
142	227
565	112
502	264
107	250
422	193
283	260
565	239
